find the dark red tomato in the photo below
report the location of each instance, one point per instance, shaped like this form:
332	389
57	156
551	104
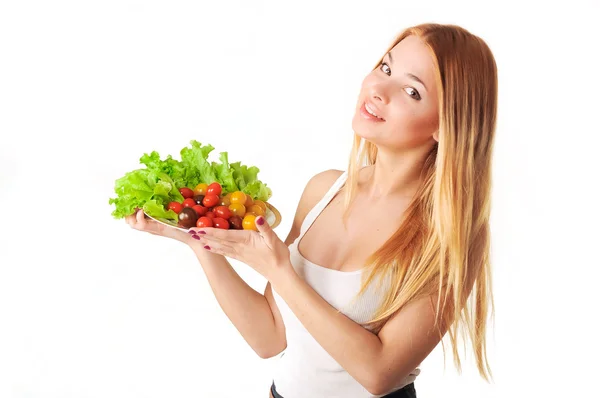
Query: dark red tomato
189	202
235	222
200	210
210	200
210	215
214	188
222	212
176	207
204	222
219	222
186	192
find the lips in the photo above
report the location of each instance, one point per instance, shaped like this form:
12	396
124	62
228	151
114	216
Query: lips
368	116
373	109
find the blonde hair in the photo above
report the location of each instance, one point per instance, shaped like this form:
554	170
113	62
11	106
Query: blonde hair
442	247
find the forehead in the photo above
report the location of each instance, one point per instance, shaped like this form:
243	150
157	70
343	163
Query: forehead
411	55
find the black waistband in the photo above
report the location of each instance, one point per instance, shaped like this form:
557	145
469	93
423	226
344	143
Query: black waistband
407	391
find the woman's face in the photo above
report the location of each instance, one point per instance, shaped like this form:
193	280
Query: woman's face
408	107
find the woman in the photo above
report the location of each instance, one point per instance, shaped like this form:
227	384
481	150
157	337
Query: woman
381	258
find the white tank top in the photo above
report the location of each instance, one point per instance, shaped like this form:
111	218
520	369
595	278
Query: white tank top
305	369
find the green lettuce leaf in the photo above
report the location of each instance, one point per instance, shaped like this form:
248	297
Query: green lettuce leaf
197	167
247	180
224	174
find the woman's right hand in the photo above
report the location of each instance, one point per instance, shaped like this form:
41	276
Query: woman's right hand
139	221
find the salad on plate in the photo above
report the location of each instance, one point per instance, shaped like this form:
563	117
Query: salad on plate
195	192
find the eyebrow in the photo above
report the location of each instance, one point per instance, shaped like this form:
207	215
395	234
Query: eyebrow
414	77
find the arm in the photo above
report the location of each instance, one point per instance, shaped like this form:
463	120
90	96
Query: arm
255	315
250	312
375	361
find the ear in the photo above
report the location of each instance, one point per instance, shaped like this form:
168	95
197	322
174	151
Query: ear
436	136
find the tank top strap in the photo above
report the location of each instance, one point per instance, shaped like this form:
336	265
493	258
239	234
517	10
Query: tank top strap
320	206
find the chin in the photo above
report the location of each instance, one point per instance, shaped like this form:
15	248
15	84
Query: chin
369	133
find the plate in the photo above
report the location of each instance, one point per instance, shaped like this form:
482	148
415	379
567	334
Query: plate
272	215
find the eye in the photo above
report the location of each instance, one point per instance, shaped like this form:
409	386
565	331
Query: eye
383	63
415	94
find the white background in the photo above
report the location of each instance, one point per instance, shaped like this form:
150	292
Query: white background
92	308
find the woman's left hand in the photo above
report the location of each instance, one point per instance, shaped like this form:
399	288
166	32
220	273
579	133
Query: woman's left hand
262	250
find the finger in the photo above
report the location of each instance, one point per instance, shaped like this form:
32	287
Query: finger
265	230
228	235
143	224
216	246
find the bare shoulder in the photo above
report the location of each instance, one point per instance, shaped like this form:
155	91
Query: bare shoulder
315	189
319	184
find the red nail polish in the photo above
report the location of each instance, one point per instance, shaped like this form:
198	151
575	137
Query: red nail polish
260	221
196	237
192	232
207	247
202	232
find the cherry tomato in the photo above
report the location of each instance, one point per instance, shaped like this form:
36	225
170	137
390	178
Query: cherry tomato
210	215
226	200
200	189
214	188
261	204
210	200
204	222
176	207
235	222
200	210
249	222
249	201
219	222
189	202
186	192
238	197
222	212
256	209
238	209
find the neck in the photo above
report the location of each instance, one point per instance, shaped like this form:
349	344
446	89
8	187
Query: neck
394	174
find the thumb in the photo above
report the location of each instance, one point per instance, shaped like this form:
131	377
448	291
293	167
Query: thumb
265	229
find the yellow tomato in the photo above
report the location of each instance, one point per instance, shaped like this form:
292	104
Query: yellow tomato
200	189
261	204
226	200
237	209
249	201
238	197
249	222
256	209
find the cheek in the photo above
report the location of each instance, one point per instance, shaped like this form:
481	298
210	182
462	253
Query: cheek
411	122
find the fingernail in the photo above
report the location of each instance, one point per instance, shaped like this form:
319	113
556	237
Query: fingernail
260	221
192	232
196	237
207	247
202	232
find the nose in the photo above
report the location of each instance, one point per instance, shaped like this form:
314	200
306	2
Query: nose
378	96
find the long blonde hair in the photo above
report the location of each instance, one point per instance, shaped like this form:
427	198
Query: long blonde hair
442	247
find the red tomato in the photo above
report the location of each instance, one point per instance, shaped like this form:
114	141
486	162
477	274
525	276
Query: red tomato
176	207
222	212
211	215
214	188
204	222
210	200
219	222
189	202
200	210
186	192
